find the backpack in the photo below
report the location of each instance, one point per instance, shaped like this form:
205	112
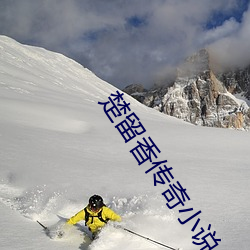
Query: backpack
88	216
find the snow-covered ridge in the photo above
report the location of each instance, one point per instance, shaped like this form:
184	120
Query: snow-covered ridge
42	77
41	68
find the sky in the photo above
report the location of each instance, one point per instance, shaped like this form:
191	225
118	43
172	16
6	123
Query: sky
132	41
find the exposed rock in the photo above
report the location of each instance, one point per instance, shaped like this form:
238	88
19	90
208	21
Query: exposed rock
137	91
237	81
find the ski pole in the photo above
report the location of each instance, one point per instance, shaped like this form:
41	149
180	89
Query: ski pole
148	239
45	228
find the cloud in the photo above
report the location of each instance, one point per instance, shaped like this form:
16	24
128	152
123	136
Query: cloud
233	48
126	42
228	28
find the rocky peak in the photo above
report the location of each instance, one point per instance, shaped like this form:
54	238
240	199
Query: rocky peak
196	64
201	97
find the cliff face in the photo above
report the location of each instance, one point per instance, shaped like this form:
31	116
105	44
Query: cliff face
201	97
237	81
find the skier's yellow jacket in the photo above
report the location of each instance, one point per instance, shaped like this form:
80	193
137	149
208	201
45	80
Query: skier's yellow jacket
94	223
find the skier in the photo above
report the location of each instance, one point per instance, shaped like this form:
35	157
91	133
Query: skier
95	214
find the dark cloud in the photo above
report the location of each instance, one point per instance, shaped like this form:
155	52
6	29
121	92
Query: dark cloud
132	41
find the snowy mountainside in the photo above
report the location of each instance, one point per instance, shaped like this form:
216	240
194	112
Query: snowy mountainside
58	147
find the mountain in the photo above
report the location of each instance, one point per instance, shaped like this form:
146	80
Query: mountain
58	147
202	96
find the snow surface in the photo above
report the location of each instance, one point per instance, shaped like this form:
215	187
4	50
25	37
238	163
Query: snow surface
58	148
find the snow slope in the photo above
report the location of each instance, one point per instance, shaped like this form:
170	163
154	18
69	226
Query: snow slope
58	148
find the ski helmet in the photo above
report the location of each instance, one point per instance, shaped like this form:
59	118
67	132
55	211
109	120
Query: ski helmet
96	202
